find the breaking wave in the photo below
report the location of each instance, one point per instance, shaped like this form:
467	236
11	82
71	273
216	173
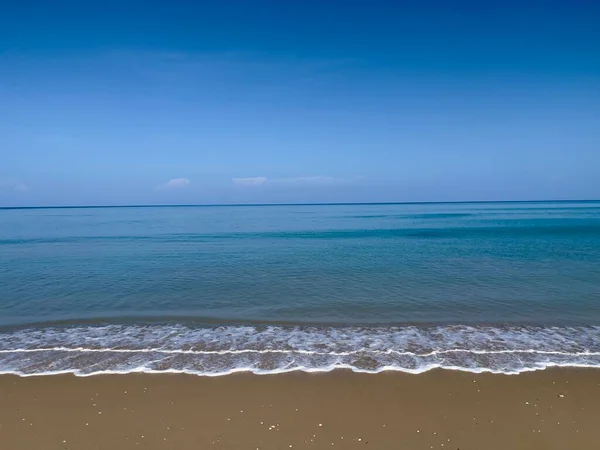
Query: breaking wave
221	350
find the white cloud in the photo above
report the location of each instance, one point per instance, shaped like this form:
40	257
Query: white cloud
175	183
250	181
13	185
317	180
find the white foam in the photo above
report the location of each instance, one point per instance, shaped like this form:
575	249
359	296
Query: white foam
143	370
291	352
217	351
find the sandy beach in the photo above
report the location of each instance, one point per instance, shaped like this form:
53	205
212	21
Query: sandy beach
552	409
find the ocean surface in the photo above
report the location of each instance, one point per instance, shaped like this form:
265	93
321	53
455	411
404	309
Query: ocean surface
211	290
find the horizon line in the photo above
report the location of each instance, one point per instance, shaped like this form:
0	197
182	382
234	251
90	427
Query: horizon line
209	205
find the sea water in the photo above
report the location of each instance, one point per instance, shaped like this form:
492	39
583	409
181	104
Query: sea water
500	287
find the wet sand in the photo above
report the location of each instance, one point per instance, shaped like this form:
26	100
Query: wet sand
552	409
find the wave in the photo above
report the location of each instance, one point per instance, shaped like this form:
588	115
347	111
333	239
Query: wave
221	350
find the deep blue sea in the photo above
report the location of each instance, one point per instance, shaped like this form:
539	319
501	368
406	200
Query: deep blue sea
501	287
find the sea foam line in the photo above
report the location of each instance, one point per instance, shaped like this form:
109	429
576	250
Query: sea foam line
323	369
290	352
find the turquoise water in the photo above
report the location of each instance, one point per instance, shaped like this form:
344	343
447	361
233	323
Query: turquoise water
212	290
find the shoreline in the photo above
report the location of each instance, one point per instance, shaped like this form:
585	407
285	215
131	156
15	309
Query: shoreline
219	351
297	371
551	409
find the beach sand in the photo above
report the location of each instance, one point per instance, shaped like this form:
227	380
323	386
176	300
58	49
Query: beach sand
551	409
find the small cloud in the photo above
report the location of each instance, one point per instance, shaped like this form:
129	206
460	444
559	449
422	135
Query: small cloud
317	180
175	183
13	185
250	181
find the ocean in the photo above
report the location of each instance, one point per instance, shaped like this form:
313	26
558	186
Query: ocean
212	290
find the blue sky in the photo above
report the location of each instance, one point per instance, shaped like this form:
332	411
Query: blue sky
314	101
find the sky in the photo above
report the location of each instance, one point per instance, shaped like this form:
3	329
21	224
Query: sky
211	102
